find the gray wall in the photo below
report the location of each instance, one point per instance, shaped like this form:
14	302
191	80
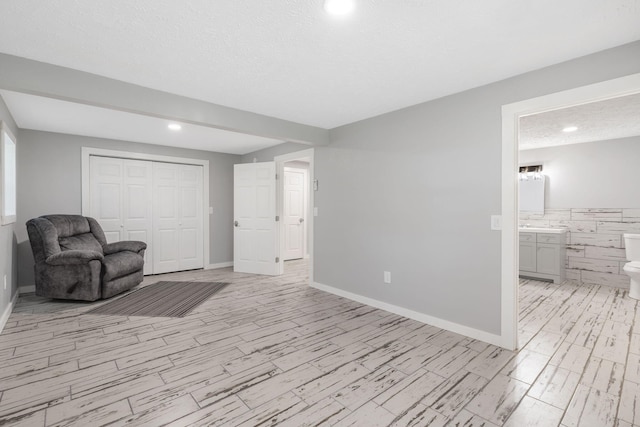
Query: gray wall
8	249
603	174
412	192
49	181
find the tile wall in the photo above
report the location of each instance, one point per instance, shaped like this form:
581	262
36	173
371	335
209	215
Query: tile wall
595	246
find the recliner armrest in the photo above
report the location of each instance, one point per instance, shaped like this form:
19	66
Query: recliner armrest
125	245
74	257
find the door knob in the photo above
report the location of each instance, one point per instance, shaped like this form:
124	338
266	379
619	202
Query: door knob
301	220
235	223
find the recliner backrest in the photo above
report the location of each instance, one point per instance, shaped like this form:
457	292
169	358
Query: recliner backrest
51	234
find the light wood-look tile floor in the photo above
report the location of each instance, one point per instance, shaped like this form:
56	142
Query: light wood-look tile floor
271	350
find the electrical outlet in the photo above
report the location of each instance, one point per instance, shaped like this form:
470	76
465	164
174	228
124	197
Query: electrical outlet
387	277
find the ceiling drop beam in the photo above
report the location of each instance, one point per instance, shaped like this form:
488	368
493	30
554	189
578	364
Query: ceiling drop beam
38	78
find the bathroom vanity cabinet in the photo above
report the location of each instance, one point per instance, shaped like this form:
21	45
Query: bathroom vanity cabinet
542	254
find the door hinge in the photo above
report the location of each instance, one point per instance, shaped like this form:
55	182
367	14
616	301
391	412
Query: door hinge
277	218
276	176
277	259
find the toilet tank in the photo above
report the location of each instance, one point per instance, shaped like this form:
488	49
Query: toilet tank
632	245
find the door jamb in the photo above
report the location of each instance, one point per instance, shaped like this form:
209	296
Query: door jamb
280	161
305	209
511	114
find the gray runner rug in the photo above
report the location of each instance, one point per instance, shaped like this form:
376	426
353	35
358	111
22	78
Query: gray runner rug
162	299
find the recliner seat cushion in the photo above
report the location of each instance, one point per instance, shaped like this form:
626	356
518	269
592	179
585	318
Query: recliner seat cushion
120	264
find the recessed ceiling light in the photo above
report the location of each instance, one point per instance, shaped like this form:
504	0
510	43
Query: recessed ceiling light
174	126
339	7
570	129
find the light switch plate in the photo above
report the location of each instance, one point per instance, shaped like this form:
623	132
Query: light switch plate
496	222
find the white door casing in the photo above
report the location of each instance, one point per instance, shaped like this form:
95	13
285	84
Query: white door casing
254	206
89	152
294	214
307	156
511	114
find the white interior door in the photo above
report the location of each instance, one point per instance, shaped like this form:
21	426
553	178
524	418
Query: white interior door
294	215
254	208
106	194
177	217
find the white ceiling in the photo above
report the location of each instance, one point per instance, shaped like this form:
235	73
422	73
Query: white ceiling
596	121
288	59
52	115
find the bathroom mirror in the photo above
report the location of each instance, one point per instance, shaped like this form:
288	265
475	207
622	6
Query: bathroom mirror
531	194
7	175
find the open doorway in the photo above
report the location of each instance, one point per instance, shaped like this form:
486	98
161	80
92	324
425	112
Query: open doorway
583	159
295	204
512	115
295	210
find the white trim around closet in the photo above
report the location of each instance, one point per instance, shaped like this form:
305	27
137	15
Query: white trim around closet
90	151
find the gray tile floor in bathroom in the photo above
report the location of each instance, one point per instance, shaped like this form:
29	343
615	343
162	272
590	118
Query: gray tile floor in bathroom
271	350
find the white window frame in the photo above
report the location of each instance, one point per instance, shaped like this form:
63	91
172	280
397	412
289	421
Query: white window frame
8	175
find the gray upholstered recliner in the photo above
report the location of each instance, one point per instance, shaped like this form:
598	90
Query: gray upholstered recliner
74	261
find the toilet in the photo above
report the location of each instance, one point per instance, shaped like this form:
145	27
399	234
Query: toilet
632	243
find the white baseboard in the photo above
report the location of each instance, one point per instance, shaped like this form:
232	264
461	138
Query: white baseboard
219	265
27	289
420	317
7	311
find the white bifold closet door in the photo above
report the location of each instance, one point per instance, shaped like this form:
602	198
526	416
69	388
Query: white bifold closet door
160	204
177	217
121	201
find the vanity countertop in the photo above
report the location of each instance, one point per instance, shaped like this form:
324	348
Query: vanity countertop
542	230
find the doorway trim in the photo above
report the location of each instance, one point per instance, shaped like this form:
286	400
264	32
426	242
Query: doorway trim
305	208
511	114
86	152
307	154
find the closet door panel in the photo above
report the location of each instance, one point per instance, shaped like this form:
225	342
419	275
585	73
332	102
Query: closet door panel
121	200
166	205
191	217
106	195
138	206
